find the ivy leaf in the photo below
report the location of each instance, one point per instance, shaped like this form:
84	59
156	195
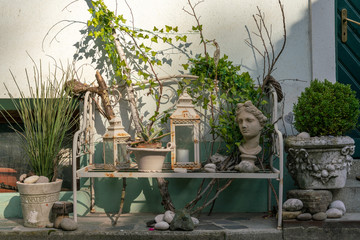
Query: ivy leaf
168	28
154	39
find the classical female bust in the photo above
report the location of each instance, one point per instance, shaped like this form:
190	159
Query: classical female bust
251	121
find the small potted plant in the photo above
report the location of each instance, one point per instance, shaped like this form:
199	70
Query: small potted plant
47	114
148	150
320	156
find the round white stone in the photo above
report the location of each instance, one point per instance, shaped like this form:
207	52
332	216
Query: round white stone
195	221
303	135
162	226
338	205
293	205
31	179
334	213
169	216
159	218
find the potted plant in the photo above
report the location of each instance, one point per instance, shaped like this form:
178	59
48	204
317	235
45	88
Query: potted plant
322	158
148	150
47	114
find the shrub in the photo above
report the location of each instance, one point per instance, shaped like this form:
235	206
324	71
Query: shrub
325	108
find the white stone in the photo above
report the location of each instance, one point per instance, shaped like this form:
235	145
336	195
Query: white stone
22	177
217	158
162	226
195	221
68	224
303	135
43	179
334	213
180	170
210	167
293	205
169	216
338	205
31	179
159	218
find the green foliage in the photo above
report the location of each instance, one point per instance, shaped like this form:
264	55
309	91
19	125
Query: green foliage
47	113
326	109
137	43
222	95
150	135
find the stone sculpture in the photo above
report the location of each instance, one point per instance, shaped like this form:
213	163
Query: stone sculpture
251	121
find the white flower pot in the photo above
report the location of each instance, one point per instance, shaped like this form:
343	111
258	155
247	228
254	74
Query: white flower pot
37	200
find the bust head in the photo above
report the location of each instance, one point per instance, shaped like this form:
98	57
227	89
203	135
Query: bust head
250	119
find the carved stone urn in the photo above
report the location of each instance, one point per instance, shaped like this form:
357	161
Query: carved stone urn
319	162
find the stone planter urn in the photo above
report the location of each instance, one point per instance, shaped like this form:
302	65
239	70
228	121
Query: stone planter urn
150	159
37	200
319	162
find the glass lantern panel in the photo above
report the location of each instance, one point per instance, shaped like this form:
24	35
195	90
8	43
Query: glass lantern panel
122	156
108	154
184	140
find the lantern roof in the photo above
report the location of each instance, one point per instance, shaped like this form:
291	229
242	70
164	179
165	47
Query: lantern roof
185	109
116	130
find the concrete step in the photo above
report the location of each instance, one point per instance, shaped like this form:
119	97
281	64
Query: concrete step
350	195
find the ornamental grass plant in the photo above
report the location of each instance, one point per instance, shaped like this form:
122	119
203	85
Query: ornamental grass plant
48	113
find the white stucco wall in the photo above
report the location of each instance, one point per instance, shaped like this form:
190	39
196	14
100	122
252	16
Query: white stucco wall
26	26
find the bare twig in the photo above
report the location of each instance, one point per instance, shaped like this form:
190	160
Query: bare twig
197	19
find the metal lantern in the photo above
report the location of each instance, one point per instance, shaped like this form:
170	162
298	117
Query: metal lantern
114	146
185	133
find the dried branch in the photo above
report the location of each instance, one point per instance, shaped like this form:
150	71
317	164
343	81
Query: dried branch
197	19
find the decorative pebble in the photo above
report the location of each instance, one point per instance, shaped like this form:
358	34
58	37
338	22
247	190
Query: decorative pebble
334	213
321	216
293	205
50	225
195	221
304	217
22	177
159	218
68	224
290	215
180	170
210	167
338	205
151	223
42	179
31	179
162	226
169	216
303	135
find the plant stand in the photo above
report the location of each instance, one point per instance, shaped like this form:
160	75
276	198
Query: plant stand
83	144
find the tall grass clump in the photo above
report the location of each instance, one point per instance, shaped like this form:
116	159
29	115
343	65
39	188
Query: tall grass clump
48	113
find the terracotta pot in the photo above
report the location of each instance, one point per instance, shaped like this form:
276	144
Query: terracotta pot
8	177
37	200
